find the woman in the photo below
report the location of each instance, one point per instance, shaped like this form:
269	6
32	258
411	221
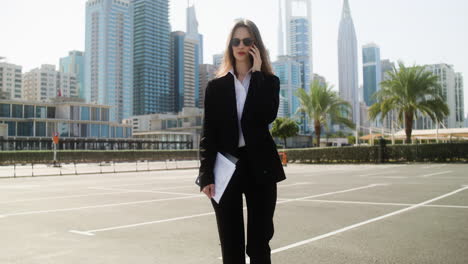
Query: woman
239	105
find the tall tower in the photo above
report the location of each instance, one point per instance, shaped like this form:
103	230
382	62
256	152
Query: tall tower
348	62
151	62
108	56
194	38
185	71
299	37
372	72
74	63
280	31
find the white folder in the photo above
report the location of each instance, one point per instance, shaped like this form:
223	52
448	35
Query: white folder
223	170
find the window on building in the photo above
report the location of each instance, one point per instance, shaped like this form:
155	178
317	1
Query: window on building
17	111
25	129
29	111
50	112
40	129
41	112
84	113
5	110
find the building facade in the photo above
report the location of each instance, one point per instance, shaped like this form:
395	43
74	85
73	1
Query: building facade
109	56
180	127
185	71
69	119
452	91
348	62
299	37
74	64
11	80
45	83
372	72
151	61
288	71
207	73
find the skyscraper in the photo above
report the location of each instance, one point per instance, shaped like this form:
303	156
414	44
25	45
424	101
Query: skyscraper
74	63
184	72
151	61
299	36
288	71
348	62
192	31
372	72
109	56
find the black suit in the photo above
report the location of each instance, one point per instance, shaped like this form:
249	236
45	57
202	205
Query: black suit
259	167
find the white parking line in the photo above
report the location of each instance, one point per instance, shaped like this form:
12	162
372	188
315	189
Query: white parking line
286	200
435	173
391	204
341	230
91	232
375	173
62	197
144	191
98	206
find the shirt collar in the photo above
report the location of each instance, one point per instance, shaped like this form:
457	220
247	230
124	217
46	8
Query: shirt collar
231	71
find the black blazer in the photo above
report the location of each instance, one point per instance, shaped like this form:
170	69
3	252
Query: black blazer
220	127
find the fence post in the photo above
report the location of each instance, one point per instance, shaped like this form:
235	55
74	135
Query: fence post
32	169
382	147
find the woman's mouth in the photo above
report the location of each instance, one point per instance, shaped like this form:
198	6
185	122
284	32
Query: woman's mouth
241	53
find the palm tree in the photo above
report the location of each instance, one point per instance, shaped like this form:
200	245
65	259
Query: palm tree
409	90
322	104
284	128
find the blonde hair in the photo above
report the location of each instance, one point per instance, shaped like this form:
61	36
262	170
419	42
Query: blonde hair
229	62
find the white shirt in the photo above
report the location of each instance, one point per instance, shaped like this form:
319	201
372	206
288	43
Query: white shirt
242	88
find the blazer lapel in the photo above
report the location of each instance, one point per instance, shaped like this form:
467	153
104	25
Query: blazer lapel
248	97
232	103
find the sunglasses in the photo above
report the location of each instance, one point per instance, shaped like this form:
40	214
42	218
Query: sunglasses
236	42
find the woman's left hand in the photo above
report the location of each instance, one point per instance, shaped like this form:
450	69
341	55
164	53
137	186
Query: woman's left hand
257	59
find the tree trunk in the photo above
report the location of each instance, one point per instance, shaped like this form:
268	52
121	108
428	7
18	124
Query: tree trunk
284	142
408	126
317	127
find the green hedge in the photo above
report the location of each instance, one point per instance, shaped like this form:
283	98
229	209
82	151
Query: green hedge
68	156
444	152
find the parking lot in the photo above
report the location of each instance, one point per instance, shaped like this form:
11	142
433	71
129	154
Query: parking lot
416	213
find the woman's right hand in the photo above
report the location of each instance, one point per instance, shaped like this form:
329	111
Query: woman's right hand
209	190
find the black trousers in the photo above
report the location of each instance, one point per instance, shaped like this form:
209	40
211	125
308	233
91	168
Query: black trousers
261	202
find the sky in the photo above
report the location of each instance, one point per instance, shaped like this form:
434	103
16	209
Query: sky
415	31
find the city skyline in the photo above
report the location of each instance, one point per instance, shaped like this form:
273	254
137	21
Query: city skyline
426	35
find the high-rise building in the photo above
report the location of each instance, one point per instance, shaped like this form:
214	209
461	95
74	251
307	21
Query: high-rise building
386	67
10	81
207	73
109	56
184	73
391	119
217	60
348	62
299	37
45	83
151	61
459	100
452	90
288	71
74	63
192	31
372	72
